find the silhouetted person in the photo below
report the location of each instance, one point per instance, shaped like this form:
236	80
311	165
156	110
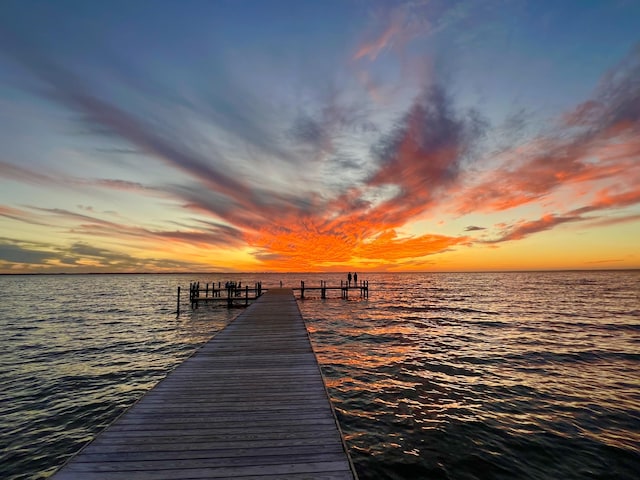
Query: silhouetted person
355	279
349	278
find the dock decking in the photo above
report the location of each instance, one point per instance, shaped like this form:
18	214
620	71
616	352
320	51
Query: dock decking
249	404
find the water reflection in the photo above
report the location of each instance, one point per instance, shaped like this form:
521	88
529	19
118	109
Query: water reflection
496	376
86	349
463	373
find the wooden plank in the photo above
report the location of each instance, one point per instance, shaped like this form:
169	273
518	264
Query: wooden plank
249	404
317	471
312	470
224	449
174	423
191	461
213	434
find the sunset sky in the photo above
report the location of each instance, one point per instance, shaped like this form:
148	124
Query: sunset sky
298	135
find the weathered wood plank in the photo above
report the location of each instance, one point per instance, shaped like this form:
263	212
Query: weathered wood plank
250	404
177	422
212	434
198	460
195	473
225	449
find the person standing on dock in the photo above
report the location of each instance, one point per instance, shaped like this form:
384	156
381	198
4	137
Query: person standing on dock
355	279
349	278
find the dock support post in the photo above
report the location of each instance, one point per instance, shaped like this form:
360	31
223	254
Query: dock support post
246	295
192	294
178	305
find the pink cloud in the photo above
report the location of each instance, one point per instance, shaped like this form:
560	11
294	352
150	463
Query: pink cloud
598	141
525	228
383	39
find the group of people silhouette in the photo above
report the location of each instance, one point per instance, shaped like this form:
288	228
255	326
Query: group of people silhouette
354	277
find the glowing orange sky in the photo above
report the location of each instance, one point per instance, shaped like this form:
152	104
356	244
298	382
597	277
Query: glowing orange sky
383	142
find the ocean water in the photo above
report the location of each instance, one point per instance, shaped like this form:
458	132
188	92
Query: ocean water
532	375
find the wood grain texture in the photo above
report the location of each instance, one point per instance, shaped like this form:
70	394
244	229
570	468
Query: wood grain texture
249	404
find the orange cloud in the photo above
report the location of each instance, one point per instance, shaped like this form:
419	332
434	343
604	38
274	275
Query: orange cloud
388	247
308	246
606	198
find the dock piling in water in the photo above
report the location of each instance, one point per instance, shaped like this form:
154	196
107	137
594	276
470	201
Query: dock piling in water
237	296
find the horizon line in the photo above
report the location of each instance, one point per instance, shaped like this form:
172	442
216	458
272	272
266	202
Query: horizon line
377	272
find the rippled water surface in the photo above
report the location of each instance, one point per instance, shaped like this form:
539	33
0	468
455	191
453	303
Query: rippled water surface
435	376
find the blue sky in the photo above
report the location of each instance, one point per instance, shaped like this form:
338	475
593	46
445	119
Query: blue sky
275	135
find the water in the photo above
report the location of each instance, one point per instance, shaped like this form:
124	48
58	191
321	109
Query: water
435	376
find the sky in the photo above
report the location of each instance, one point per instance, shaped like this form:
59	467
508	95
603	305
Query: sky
350	135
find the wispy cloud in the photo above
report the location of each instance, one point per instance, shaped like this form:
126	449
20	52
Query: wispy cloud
597	141
23	215
605	222
418	161
18	253
20	256
394	28
525	228
423	157
604	201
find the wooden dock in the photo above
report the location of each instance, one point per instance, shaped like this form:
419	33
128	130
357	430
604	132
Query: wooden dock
249	404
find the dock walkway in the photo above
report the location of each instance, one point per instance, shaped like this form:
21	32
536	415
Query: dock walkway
249	404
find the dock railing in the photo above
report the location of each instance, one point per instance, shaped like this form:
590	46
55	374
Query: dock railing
362	287
235	292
